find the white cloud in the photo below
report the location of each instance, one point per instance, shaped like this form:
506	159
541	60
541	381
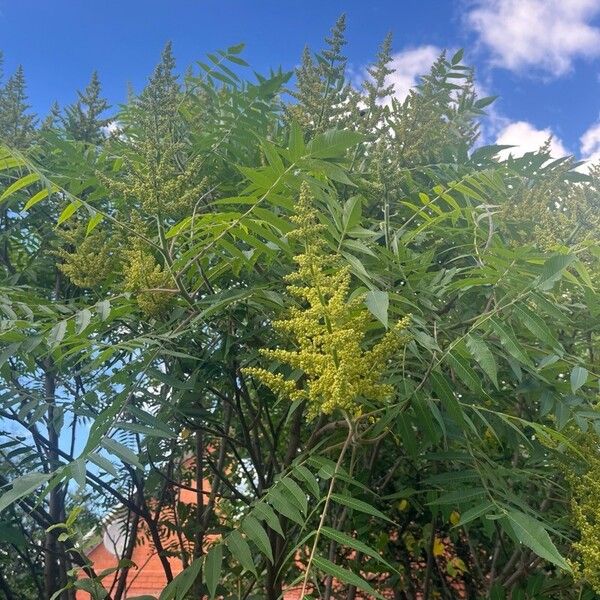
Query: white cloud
541	34
111	127
590	140
527	138
408	66
590	147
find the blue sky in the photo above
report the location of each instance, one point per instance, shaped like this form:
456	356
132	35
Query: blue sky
541	56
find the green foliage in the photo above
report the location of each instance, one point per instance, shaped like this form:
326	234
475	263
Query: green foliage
324	97
172	312
16	124
82	120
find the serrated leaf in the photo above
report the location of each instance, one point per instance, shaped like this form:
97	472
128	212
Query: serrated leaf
344	575
331	170
36	198
424	420
537	326
333	143
484	357
77	471
483	102
178	227
94	221
547	361
150	420
510	343
236	48
296	492
445	393
103	463
255	532
474	513
458	496
123	452
296	144
9	162
584	274
103	309
351	214
552	270
241	551
345	540
212	569
458	55
532	533
57	333
265	513
19	184
284	506
579	376
163	432
23	486
359	505
272	156
178	588
464	371
301	472
238	61
82	320
378	303
68	212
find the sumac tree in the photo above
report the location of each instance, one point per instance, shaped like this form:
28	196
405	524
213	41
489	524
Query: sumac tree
373	338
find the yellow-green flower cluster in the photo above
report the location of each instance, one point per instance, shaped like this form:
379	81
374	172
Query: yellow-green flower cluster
86	259
146	278
328	331
552	213
160	185
585	510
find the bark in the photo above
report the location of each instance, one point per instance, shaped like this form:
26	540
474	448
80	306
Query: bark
131	541
55	569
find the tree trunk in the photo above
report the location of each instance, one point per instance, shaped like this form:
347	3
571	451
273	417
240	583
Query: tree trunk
55	559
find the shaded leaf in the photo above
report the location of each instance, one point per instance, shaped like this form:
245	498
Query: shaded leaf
212	569
378	303
241	551
532	533
579	376
344	575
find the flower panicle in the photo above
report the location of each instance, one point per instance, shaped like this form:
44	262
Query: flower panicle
585	514
328	332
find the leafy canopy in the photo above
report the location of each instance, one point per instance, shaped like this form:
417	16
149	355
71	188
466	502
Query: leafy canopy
373	340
